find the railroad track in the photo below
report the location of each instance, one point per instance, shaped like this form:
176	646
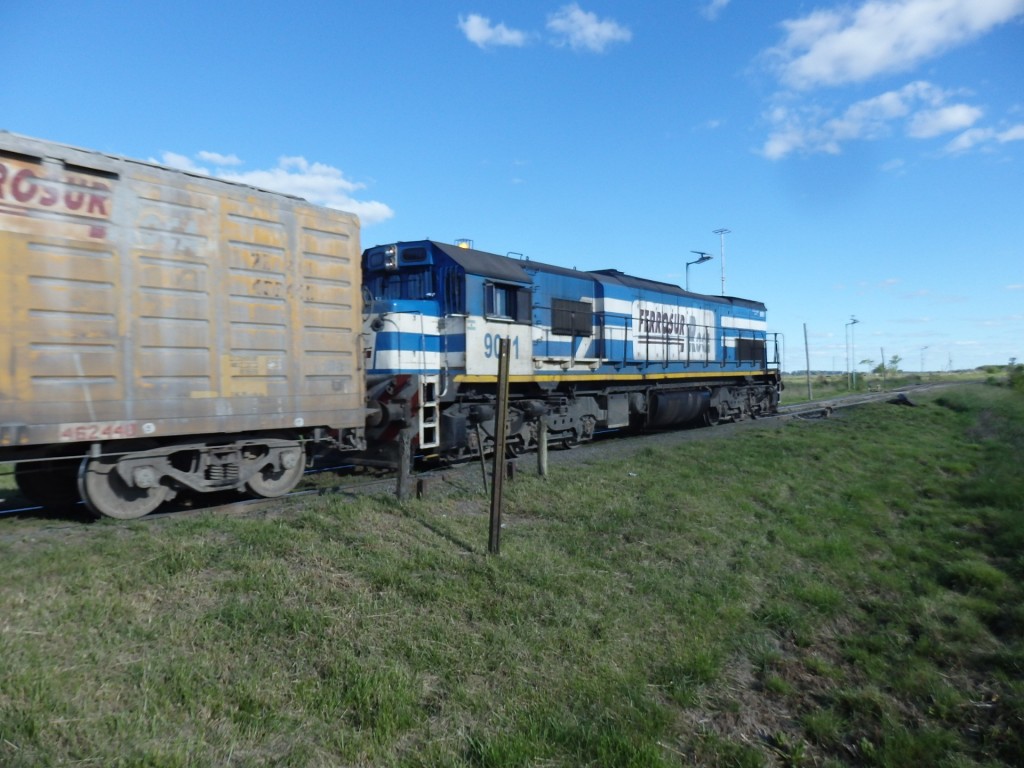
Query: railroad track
39	521
827	406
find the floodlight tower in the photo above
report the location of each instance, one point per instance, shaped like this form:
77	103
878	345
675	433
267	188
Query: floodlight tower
721	239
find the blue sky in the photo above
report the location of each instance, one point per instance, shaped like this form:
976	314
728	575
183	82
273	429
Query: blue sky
866	156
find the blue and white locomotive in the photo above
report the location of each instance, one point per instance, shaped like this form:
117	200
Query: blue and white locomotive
589	352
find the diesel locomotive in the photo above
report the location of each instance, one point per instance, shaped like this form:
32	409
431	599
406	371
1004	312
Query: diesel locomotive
590	351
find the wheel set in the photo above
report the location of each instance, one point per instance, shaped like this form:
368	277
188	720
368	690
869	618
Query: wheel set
134	484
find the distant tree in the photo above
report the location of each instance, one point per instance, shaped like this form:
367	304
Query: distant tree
894	363
867	363
1015	375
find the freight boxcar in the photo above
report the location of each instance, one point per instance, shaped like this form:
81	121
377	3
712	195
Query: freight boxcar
165	331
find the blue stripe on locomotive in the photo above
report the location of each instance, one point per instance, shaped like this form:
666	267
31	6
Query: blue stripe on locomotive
416	342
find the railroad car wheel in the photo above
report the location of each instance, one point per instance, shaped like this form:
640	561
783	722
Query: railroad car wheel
52	484
106	493
279	475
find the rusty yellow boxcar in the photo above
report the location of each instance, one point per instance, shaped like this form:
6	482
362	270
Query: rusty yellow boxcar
166	331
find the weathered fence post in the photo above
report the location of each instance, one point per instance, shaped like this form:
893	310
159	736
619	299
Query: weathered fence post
500	435
542	448
404	464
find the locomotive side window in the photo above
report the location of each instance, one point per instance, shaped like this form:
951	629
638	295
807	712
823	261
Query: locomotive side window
506	302
499	297
572	318
451	282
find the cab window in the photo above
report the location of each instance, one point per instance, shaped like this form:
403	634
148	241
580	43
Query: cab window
412	284
507	302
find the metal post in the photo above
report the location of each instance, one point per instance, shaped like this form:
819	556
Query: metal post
853	350
500	435
851	353
721	239
701	258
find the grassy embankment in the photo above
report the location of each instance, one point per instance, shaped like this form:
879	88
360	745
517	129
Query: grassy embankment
846	592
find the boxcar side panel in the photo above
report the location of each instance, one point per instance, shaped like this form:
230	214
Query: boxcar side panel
139	300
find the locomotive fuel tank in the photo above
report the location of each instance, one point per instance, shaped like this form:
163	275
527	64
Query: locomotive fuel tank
676	408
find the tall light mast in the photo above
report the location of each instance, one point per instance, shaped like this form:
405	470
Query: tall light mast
721	238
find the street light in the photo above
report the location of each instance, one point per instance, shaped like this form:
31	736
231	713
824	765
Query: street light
703	257
721	240
850	346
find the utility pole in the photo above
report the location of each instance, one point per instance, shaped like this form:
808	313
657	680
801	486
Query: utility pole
721	240
807	362
851	370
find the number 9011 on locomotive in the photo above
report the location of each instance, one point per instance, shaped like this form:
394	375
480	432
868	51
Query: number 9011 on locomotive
589	352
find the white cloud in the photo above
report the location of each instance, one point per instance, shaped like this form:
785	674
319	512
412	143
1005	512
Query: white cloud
713	8
479	31
981	137
854	44
870	118
935	122
969	139
181	162
215	158
582	30
316	182
920	104
1016	133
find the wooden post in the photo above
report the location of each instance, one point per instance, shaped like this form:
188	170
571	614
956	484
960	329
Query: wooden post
483	461
500	435
404	464
542	448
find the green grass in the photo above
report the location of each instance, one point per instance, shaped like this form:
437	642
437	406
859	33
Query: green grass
825	386
839	592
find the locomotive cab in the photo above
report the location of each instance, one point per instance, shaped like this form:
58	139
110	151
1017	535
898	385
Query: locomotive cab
434	313
394	275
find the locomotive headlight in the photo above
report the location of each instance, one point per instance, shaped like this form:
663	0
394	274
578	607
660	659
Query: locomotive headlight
391	258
